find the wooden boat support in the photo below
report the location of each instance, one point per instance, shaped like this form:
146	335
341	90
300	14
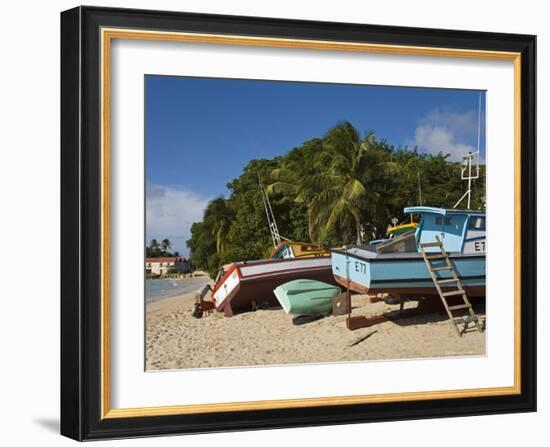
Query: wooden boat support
360	321
341	304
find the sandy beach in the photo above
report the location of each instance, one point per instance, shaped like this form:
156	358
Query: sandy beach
174	339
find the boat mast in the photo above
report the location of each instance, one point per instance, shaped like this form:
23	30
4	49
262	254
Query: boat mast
419	187
467	160
275	236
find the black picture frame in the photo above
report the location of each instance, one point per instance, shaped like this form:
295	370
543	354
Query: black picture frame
81	223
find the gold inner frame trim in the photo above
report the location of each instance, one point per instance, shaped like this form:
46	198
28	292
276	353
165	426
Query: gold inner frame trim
107	35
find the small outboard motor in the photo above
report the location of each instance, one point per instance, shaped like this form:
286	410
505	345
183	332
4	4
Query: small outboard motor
202	306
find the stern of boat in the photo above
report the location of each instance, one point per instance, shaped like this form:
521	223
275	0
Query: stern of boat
350	272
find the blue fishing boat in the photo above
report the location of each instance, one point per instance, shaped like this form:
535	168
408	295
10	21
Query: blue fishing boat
396	266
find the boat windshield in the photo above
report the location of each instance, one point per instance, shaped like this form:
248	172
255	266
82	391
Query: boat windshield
221	272
476	223
284	252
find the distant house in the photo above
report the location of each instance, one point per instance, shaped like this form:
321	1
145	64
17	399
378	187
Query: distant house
162	266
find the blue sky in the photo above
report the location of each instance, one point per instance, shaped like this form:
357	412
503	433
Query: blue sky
201	132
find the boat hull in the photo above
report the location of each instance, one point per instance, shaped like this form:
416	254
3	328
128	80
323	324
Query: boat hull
403	274
306	297
249	286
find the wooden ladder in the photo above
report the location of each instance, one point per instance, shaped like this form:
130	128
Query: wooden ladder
444	264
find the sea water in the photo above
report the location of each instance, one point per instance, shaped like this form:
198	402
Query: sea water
158	289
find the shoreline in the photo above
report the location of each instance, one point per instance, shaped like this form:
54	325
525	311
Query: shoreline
177	340
180	287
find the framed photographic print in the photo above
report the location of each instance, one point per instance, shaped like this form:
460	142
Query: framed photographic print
276	223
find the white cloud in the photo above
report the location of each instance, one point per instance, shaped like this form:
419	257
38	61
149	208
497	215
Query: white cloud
448	132
170	212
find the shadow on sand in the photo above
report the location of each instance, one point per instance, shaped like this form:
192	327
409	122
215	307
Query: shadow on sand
426	312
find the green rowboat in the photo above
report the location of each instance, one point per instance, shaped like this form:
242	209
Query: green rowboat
306	296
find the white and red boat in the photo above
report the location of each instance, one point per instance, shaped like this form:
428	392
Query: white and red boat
248	285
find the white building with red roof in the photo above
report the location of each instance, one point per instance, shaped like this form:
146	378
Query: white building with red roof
162	266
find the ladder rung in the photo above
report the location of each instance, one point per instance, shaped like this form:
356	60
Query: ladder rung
453	293
430	244
428	259
460	306
436	257
445	281
469	319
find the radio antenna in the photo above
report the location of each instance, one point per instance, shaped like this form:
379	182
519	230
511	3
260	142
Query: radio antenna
466	172
419	186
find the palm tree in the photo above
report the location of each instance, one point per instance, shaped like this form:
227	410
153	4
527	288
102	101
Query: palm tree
297	167
165	245
340	180
154	246
220	216
341	193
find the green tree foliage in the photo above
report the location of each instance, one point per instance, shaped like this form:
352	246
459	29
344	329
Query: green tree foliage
339	189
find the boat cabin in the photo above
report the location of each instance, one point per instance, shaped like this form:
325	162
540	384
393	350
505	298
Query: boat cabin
288	249
460	231
402	243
